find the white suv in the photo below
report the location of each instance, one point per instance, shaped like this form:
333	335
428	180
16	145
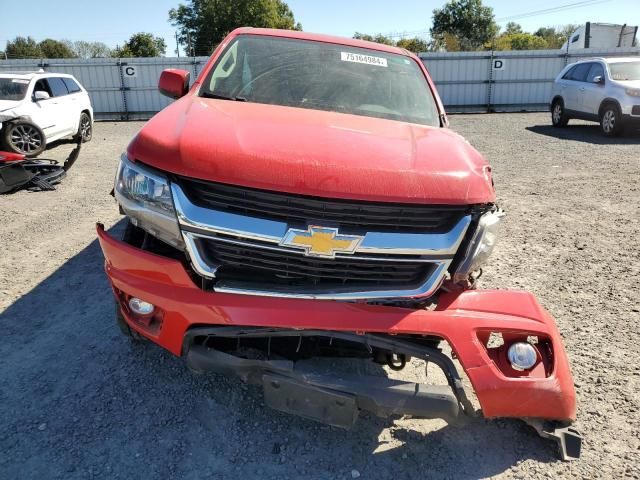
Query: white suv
602	90
39	108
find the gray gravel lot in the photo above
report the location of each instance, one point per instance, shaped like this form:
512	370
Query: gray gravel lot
79	401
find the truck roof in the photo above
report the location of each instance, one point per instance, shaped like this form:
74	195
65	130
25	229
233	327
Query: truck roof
351	42
32	75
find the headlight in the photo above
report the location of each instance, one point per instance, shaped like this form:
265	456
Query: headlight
634	92
145	196
481	245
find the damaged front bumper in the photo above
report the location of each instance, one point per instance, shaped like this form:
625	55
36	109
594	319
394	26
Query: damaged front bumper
544	396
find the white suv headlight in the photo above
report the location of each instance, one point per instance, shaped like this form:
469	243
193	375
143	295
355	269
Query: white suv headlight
634	92
145	196
480	246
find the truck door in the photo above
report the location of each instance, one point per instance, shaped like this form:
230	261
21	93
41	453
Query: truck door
46	113
593	93
575	87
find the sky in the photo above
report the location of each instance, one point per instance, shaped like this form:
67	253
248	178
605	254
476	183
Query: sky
114	21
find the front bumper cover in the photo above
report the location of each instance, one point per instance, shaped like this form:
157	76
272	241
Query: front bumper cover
462	319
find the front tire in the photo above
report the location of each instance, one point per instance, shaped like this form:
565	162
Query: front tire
85	128
24	137
559	117
611	121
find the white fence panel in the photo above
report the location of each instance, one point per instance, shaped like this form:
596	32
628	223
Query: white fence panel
503	81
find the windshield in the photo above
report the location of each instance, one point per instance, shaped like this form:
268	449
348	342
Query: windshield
13	88
323	76
625	71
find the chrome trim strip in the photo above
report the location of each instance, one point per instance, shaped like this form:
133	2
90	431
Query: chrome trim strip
199	264
424	290
215	221
398	258
404	243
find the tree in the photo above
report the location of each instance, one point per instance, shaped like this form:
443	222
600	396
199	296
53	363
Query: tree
22	47
379	38
56	49
556	36
84	49
415	45
519	41
142	45
469	21
513	27
202	24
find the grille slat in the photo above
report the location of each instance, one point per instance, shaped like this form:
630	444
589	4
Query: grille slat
258	265
253	265
298	210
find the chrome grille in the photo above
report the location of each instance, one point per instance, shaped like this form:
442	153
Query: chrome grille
298	210
260	264
246	254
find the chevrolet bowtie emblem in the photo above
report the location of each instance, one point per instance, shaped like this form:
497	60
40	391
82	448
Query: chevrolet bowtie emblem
321	241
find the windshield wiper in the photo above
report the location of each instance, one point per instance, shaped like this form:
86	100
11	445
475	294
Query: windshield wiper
223	97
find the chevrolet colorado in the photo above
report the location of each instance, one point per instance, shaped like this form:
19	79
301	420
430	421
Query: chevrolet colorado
303	198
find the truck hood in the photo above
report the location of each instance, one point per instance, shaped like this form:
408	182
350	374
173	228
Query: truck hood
313	152
629	83
8	104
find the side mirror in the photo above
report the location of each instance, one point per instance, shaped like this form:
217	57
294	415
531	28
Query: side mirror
598	79
174	83
41	95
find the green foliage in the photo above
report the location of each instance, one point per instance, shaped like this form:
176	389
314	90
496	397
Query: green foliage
84	49
469	21
415	45
513	27
56	49
379	38
141	45
555	36
519	41
204	23
21	47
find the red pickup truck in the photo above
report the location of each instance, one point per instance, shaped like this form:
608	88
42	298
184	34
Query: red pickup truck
304	198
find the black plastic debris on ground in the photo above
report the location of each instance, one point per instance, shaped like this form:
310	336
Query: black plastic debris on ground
17	172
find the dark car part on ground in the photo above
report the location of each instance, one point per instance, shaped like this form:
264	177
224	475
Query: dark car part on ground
17	172
276	359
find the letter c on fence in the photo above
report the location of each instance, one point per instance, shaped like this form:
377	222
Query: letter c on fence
130	71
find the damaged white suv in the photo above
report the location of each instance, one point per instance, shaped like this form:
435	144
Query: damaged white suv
40	108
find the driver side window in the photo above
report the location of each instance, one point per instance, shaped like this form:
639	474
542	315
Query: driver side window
596	71
42	86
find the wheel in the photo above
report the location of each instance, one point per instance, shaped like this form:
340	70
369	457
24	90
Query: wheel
558	116
85	128
24	137
611	120
127	331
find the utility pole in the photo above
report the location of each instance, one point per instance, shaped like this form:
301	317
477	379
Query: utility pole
177	45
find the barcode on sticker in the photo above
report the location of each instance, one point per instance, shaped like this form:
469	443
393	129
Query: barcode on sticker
359	58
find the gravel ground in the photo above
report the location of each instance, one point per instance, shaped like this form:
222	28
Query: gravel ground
79	401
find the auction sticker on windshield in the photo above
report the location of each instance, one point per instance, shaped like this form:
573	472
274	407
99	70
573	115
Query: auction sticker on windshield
359	58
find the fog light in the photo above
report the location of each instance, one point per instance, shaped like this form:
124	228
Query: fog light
522	356
140	306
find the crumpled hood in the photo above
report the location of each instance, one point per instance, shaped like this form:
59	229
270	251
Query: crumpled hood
629	83
6	109
313	152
